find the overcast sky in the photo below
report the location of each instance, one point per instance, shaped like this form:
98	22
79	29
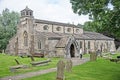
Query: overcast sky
52	10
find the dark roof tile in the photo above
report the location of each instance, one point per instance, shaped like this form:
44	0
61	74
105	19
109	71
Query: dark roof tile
97	36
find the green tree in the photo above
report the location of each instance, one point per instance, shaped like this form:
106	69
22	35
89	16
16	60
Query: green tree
105	15
8	23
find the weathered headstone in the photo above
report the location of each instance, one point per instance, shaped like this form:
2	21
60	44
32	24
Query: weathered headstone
93	56
60	70
68	65
32	58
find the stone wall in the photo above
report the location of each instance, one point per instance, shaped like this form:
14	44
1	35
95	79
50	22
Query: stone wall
60	52
57	28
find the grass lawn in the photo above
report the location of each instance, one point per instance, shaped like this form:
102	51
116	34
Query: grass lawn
6	61
101	69
86	55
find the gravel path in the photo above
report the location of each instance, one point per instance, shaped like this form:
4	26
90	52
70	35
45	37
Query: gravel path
76	61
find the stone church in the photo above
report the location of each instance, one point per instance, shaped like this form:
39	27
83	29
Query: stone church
54	39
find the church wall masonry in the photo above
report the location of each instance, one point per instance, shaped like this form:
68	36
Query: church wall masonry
55	38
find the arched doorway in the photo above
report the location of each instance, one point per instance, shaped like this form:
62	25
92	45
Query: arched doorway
72	48
72	51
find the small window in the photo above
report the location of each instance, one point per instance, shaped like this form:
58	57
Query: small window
88	44
30	13
46	27
58	28
26	12
77	30
23	13
39	44
69	29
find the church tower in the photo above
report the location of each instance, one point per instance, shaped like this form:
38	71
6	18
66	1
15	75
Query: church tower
25	30
27	13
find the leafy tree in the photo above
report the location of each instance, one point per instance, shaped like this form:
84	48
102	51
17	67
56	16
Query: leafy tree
105	15
8	23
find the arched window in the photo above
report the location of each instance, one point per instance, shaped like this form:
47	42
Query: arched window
69	29
27	13
77	30
30	13
45	27
58	28
23	13
39	44
25	38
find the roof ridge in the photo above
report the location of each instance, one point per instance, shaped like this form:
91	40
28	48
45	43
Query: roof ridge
54	22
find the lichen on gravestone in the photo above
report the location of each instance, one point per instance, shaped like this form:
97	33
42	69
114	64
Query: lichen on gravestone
69	65
60	70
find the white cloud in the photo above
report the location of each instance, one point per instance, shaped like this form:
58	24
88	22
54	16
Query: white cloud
53	10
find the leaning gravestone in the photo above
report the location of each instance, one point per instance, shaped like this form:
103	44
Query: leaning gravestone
93	56
60	70
68	65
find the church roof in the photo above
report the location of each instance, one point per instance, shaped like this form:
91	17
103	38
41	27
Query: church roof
97	36
82	37
26	9
85	36
62	42
54	23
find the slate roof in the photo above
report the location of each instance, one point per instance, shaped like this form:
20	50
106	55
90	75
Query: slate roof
97	36
54	23
63	38
85	36
26	9
62	42
82	37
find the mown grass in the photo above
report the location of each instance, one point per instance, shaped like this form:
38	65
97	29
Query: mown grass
101	69
6	61
86	55
88	71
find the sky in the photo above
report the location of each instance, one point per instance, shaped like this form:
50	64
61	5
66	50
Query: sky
52	10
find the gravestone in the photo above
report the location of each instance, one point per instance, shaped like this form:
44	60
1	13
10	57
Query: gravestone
93	56
60	70
68	65
32	58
